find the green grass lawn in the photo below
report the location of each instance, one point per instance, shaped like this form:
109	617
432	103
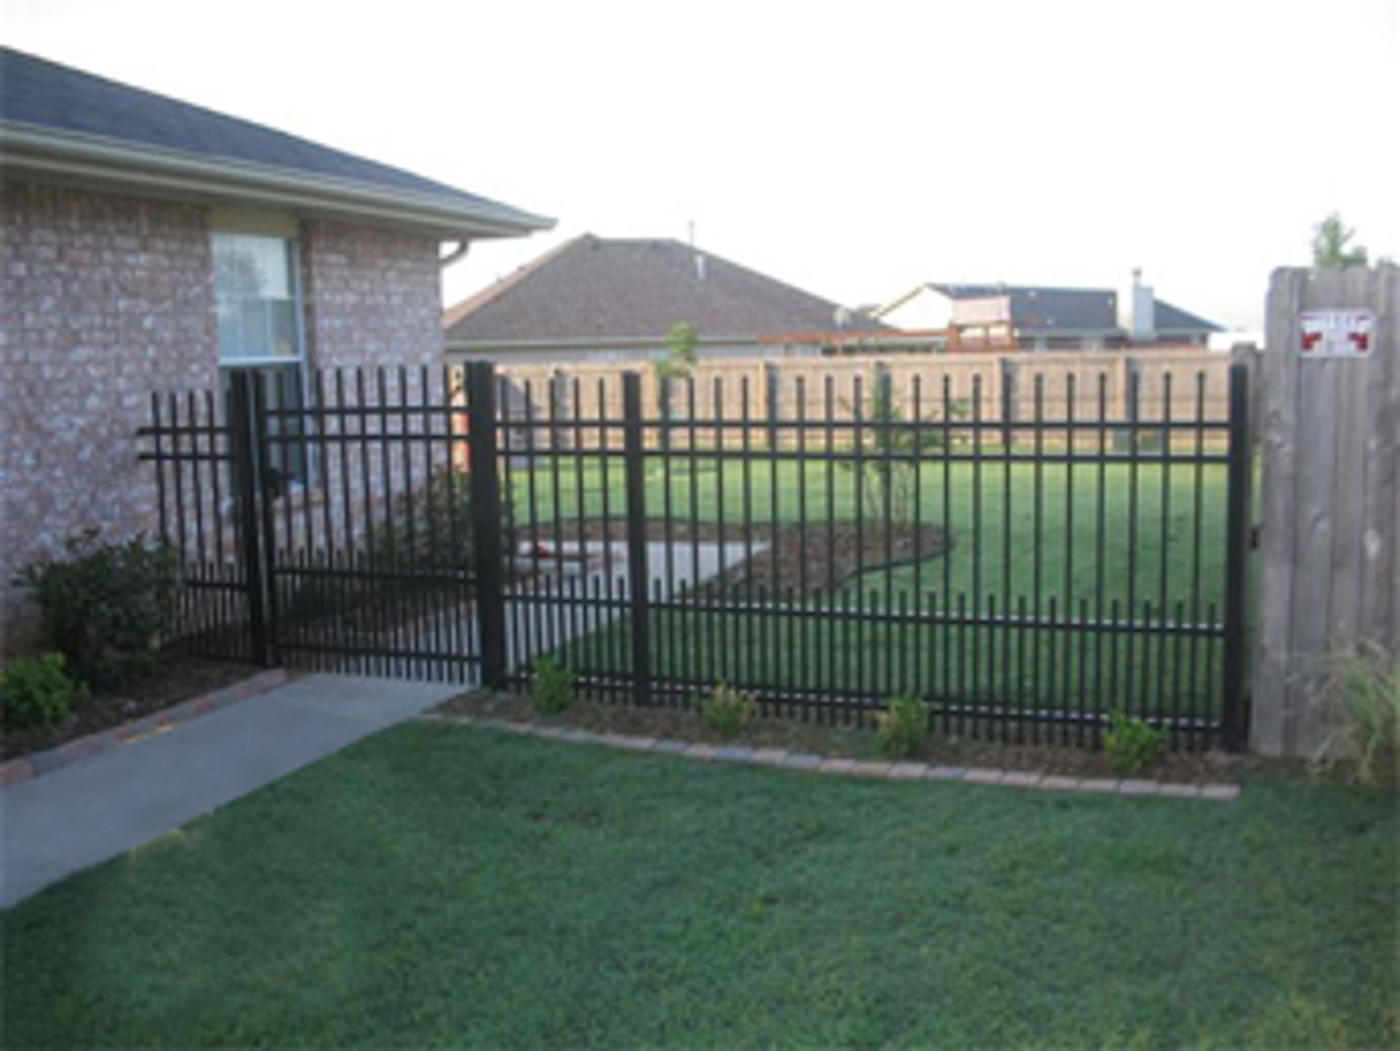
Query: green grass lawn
1103	520
1088	540
456	886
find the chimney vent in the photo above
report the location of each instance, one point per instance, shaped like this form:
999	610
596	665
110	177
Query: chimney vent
1137	310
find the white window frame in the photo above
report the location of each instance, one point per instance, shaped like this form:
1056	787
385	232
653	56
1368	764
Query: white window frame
291	245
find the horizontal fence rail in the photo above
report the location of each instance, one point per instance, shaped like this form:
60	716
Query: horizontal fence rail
1027	554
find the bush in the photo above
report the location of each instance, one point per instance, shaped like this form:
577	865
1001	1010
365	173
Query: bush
1131	744
729	711
36	691
902	727
107	607
441	533
1362	698
551	686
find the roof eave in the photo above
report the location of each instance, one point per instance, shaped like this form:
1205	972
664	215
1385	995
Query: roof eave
29	149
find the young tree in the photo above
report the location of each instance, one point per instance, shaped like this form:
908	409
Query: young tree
1329	244
681	342
890	449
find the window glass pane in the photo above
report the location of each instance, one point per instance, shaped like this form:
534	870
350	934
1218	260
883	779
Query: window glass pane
282	326
250	265
254	297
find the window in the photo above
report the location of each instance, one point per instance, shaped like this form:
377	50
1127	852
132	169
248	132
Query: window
258	317
255	298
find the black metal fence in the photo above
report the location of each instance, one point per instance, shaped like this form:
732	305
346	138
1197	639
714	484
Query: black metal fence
1025	574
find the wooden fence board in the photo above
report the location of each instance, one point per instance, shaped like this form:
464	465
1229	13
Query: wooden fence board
1330	509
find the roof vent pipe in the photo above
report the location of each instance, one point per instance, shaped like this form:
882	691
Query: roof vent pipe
699	267
1136	310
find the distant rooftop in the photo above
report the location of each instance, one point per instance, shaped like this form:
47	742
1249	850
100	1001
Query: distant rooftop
1072	309
595	289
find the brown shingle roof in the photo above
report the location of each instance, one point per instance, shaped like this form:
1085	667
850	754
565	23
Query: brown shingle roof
592	288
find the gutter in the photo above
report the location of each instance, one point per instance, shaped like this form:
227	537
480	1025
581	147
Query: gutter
90	158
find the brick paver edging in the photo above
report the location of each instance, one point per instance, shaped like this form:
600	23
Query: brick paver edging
851	768
36	764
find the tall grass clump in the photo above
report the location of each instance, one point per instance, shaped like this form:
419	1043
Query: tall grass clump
1361	699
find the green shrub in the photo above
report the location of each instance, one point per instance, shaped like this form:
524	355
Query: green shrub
1362	700
107	607
902	727
551	686
36	691
728	710
430	528
1131	744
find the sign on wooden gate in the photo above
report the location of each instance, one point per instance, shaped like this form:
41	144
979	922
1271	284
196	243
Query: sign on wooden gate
1336	333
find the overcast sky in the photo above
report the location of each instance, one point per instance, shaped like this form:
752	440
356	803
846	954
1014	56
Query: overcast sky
852	149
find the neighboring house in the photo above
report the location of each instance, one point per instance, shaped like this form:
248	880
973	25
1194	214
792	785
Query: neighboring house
595	298
1002	317
149	243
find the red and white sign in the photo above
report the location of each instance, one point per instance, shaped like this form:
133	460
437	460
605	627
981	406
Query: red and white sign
1336	333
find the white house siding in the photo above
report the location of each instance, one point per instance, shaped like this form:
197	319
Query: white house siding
925	310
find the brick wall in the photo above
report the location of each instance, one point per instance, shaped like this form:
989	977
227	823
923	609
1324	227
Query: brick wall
104	298
372	296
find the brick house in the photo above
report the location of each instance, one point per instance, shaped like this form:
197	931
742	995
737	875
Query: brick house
149	243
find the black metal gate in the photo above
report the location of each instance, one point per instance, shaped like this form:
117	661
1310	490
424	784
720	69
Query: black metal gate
339	529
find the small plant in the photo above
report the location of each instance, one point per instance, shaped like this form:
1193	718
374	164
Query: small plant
551	686
902	727
1131	744
431	526
107	607
36	691
1362	698
728	710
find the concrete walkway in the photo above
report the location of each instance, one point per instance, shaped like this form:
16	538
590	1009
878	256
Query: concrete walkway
106	804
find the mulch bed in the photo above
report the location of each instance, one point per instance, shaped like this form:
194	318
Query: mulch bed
842	741
807	561
176	679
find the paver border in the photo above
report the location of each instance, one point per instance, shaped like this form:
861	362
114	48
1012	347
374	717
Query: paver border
37	764
1137	788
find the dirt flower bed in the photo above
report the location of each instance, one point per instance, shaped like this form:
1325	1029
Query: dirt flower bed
807	561
859	743
175	680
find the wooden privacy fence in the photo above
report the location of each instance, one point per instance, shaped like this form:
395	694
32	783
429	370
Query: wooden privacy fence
1331	498
1172	384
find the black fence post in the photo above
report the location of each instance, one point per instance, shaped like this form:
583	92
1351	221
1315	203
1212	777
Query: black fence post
770	402
1010	400
638	572
1126	440
1236	556
268	491
486	521
245	472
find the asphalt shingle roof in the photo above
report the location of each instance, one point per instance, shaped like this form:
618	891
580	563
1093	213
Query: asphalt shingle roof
595	289
1072	309
44	94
